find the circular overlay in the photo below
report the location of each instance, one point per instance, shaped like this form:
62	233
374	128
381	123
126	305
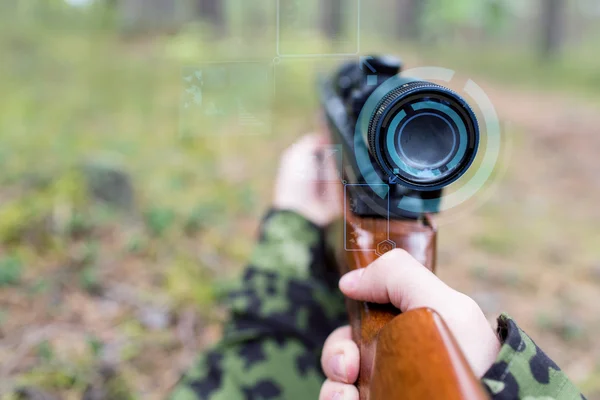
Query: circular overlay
405	158
427	138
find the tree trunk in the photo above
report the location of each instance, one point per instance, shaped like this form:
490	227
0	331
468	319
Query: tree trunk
332	18
144	15
410	14
213	11
552	27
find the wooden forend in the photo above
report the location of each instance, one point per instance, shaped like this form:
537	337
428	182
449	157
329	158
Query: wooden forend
408	356
417	357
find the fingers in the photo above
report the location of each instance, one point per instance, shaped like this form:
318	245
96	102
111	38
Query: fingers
307	144
302	185
327	158
338	391
397	278
340	359
299	161
340	362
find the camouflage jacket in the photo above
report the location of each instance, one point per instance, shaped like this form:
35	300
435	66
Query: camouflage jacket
285	307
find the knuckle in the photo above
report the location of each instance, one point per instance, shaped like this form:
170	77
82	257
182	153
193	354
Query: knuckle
389	260
341	331
396	294
470	308
343	347
325	390
397	254
334	346
327	351
468	303
325	354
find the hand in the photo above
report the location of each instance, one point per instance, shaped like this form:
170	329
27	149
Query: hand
397	278
300	187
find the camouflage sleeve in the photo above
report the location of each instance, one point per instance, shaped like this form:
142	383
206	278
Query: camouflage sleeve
282	311
523	371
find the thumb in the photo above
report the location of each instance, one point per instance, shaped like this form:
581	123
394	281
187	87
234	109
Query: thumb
397	278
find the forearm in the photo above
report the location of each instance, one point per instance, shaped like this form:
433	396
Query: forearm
288	288
522	370
281	311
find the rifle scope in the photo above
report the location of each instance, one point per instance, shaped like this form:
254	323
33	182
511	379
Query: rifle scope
422	135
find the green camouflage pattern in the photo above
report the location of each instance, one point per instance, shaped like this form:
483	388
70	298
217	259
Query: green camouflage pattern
282	310
285	306
523	371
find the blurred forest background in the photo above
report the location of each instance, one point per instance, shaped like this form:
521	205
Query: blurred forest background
139	140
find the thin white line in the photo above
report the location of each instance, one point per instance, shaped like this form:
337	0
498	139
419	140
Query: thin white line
318	55
345	219
346	212
278	27
358	28
388	213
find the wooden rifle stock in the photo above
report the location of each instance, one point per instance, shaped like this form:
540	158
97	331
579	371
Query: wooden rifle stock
411	355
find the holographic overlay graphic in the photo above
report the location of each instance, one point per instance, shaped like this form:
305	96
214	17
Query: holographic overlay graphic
324	167
321	173
353	231
420	139
467	186
298	20
224	99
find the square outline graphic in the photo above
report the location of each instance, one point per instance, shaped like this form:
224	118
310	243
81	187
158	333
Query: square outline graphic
337	153
317	55
346	212
271	73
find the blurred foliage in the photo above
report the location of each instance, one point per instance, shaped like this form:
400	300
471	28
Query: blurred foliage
10	271
158	220
442	17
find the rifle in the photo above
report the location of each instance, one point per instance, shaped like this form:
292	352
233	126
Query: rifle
402	141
